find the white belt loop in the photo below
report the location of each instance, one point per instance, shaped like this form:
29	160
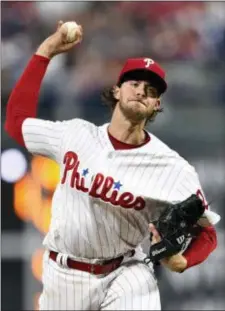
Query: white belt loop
64	260
59	259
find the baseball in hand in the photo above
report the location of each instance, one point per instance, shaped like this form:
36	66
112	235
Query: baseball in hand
72	29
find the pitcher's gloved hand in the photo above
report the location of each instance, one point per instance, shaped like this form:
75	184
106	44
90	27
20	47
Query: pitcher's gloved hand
176	225
175	263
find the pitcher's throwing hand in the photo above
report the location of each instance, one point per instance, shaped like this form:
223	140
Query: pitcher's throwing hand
58	42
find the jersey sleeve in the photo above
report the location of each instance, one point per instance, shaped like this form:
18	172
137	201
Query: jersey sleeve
44	137
189	184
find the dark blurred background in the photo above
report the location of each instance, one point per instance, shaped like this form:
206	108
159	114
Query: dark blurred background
188	40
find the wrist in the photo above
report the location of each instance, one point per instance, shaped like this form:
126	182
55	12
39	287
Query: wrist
176	263
183	264
44	51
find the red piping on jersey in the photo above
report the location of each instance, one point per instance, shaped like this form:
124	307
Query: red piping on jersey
23	101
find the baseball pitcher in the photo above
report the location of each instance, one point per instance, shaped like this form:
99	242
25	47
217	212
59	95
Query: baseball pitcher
118	182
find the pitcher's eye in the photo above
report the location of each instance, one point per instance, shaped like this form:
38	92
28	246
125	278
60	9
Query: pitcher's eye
134	84
150	91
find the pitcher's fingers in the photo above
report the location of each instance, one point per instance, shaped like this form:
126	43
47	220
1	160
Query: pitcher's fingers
154	240
59	24
80	32
152	228
155	233
81	29
79	38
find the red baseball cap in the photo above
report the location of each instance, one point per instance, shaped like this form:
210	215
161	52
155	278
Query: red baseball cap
143	69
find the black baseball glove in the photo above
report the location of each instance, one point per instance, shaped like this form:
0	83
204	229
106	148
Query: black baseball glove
176	225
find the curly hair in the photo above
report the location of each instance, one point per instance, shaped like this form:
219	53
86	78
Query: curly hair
109	100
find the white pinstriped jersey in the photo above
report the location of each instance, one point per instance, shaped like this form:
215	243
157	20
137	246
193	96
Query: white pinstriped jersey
105	198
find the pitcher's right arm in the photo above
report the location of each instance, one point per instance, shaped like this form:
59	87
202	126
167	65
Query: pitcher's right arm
23	101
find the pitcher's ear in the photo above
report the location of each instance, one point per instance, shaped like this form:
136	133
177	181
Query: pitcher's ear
116	92
157	104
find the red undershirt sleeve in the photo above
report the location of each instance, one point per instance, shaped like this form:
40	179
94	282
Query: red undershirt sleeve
23	101
201	247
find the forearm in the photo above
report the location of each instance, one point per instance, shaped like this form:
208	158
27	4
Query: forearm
201	247
175	263
198	251
23	101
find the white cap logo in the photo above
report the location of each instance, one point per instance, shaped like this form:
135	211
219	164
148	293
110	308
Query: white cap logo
148	62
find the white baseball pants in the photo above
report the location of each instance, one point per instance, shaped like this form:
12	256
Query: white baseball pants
130	287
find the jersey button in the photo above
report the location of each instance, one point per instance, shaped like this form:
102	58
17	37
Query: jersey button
56	233
110	156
